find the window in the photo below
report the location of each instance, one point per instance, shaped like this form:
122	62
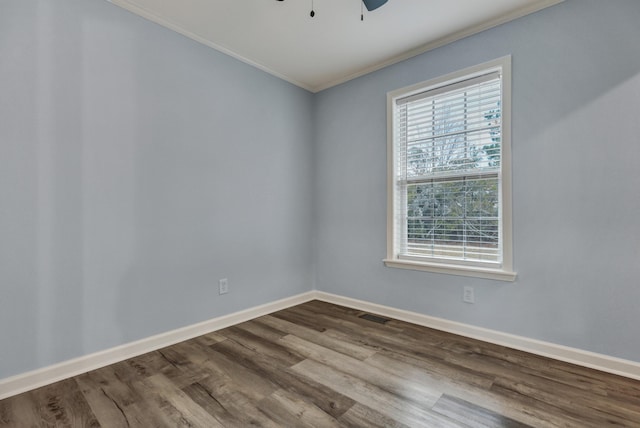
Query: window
449	190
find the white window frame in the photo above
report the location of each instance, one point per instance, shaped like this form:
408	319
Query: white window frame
498	271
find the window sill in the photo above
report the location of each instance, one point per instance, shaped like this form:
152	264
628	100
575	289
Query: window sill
473	271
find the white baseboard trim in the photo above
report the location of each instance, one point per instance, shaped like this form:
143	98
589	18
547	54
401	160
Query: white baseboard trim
605	363
34	379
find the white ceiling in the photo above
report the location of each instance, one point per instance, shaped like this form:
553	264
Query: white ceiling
281	38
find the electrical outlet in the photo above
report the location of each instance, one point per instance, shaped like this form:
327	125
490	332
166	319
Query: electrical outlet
223	286
468	295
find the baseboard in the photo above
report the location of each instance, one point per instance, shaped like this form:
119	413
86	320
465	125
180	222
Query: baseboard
34	379
605	363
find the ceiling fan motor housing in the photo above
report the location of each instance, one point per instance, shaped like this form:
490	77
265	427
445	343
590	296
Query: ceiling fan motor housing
373	4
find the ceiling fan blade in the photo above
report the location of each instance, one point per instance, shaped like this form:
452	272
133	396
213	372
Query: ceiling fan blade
373	4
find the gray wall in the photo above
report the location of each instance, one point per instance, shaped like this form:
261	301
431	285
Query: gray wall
576	203
138	167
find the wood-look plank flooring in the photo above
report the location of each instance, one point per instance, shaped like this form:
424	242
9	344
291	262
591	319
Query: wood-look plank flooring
321	365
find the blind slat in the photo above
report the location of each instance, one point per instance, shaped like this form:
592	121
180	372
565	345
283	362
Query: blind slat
449	153
451	88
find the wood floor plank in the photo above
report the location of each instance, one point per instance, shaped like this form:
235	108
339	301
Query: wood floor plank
428	370
597	412
228	403
105	406
406	388
325	398
332	309
362	416
209	339
542	414
262	346
300	319
553	392
503	361
493	400
379	338
472	415
251	384
519	409
209	403
186	363
594	382
318	338
20	410
319	364
394	407
192	362
262	330
174	406
352	322
116	401
140	367
290	410
457	380
62	404
106	379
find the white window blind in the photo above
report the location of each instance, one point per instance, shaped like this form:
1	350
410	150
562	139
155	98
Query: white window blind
448	158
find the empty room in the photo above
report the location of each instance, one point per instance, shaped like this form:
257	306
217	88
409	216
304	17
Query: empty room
319	213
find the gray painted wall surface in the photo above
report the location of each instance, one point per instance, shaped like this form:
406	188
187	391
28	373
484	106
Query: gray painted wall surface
130	182
138	167
576	203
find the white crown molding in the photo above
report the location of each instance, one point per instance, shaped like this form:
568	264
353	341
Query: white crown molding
137	10
518	13
47	375
605	363
454	37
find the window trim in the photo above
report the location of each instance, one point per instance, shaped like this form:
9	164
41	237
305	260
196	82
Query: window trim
504	271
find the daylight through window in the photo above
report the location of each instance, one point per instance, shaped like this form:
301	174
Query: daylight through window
448	173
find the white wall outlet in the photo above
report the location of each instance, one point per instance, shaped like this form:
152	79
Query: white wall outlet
223	286
468	295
